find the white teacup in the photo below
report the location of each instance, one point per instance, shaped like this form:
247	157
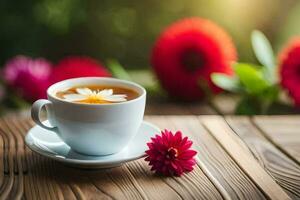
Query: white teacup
92	129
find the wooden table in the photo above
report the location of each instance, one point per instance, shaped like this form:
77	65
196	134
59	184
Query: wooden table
238	158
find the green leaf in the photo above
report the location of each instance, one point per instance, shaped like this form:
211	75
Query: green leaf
117	70
264	53
155	90
262	49
269	76
247	106
270	94
251	78
226	82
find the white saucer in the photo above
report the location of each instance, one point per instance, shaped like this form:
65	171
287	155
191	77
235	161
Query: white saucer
48	144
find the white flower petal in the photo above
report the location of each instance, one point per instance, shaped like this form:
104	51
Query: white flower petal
84	91
74	97
106	92
115	98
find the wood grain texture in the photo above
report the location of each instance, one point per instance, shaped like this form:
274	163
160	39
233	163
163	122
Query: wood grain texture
243	157
32	176
284	170
203	184
230	180
283	132
10	163
218	175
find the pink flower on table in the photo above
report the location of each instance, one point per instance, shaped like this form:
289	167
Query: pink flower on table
170	154
30	77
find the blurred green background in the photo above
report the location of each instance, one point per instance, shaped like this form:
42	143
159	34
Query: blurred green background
126	30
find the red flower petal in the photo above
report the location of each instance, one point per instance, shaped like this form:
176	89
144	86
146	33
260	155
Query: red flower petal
188	154
186	145
170	154
289	69
189	51
74	67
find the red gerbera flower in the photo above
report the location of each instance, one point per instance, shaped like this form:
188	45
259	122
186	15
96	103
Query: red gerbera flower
74	67
289	66
189	51
170	154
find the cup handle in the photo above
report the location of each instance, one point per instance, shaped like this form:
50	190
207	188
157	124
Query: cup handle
36	110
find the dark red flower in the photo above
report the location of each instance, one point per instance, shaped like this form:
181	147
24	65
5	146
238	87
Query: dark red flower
187	52
289	69
170	154
74	67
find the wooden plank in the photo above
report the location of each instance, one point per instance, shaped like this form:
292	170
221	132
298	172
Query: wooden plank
283	132
46	179
225	174
237	150
14	125
38	181
74	183
9	162
151	184
284	170
195	183
116	183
